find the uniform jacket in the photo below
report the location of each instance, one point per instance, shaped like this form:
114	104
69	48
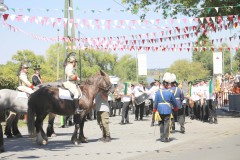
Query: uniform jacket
164	102
23	80
36	80
178	94
71	73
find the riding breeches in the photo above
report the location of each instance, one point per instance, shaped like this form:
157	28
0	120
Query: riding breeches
25	89
72	88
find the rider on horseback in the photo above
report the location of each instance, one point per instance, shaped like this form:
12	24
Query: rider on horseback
71	77
24	84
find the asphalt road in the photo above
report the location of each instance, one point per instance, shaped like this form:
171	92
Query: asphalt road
135	141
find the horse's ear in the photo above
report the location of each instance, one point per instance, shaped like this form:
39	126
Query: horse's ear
102	73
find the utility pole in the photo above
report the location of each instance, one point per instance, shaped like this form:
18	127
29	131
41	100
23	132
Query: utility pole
58	57
68	11
80	57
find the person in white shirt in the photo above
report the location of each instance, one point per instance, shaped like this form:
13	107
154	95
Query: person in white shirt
138	91
153	90
211	108
200	93
126	100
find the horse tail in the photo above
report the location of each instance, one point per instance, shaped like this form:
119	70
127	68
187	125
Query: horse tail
31	121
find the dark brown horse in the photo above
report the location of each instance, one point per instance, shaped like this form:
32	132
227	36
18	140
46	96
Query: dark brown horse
47	100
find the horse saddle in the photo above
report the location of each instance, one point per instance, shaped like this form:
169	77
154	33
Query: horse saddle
65	94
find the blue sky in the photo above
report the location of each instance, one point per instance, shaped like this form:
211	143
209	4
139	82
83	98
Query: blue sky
11	41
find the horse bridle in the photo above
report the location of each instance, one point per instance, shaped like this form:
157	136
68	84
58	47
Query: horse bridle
108	87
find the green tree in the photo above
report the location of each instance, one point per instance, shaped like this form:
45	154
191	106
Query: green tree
226	58
188	70
126	68
49	69
203	54
236	61
172	8
95	60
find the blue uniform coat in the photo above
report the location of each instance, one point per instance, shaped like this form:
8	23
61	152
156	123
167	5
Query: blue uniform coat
178	94
165	106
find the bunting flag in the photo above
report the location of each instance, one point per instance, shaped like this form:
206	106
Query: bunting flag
208	9
141	42
210	23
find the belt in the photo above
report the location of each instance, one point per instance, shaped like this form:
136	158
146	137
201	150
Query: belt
166	103
177	98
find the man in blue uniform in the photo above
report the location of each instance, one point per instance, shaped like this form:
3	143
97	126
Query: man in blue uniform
179	114
164	100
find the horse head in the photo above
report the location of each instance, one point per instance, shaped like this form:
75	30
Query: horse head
105	83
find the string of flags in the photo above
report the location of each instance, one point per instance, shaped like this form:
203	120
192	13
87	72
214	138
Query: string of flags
135	42
77	9
231	21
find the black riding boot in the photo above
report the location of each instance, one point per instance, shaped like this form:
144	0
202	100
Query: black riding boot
76	105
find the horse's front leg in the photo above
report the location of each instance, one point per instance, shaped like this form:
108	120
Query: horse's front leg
1	139
41	136
82	138
15	129
50	129
9	122
74	138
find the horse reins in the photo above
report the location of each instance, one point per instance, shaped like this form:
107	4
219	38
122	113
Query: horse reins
107	88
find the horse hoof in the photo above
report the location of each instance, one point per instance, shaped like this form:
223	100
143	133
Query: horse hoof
84	140
9	136
18	136
75	142
54	135
44	143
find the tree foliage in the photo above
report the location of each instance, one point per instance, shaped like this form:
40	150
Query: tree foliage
204	56
171	8
126	68
188	70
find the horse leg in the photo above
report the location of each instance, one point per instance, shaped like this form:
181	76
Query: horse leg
41	136
9	123
74	138
1	139
82	138
15	130
50	129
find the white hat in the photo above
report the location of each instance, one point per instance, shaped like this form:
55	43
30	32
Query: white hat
173	77
167	77
72	59
25	66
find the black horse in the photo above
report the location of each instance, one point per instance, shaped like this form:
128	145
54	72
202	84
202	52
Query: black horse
46	100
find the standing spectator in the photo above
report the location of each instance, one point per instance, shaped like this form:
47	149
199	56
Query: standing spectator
126	99
102	109
210	98
110	103
117	103
153	90
179	114
237	79
164	100
36	78
138	91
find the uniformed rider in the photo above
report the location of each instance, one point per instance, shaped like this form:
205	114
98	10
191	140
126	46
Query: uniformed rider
71	79
164	100
36	78
24	84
